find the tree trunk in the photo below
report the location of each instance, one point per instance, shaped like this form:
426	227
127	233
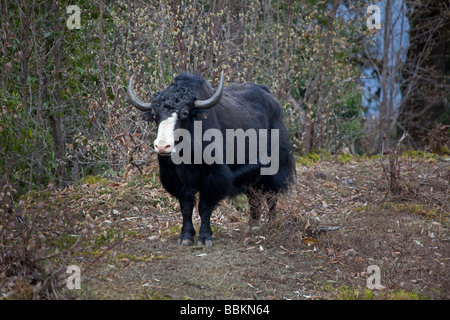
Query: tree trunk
318	124
313	125
385	108
25	40
56	118
42	58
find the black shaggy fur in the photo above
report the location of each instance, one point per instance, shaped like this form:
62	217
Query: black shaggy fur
241	106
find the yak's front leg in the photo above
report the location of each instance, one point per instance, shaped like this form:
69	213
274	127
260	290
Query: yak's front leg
187	231
205	209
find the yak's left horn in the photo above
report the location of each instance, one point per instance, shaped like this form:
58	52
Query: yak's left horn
134	100
211	102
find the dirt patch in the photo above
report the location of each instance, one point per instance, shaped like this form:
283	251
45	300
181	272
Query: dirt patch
336	222
250	266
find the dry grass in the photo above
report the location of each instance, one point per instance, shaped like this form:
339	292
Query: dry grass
122	233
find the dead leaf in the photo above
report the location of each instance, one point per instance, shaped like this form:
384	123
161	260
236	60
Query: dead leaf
309	241
329	185
307	225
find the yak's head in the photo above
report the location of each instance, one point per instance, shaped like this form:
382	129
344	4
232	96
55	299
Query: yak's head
177	103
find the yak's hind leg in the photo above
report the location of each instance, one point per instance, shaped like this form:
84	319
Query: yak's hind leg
255	205
256	199
271	199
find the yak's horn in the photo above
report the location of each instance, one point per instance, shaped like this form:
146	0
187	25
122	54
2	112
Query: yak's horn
143	106
211	102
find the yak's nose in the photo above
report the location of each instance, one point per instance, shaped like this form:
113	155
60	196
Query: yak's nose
163	147
165	142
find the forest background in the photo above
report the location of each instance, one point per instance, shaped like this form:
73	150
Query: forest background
64	66
79	178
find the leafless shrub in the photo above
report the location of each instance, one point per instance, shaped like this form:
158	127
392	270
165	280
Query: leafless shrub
37	243
392	171
438	139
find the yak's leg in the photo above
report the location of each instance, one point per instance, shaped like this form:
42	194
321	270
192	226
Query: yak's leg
205	208
187	231
254	203
272	199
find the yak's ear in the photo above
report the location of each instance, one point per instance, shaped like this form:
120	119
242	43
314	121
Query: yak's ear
149	115
200	115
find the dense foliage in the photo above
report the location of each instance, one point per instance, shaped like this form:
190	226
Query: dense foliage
64	113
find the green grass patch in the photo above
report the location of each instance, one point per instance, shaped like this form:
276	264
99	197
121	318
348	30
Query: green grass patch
414	154
94	180
107	235
346	293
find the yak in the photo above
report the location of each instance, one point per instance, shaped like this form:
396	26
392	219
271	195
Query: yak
191	112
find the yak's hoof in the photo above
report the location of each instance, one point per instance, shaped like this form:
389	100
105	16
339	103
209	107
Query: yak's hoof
185	242
207	243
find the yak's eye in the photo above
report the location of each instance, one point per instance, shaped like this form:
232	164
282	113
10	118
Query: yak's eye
184	113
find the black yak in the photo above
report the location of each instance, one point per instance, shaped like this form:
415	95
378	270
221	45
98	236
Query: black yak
230	141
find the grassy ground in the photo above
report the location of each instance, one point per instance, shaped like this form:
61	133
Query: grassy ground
338	219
